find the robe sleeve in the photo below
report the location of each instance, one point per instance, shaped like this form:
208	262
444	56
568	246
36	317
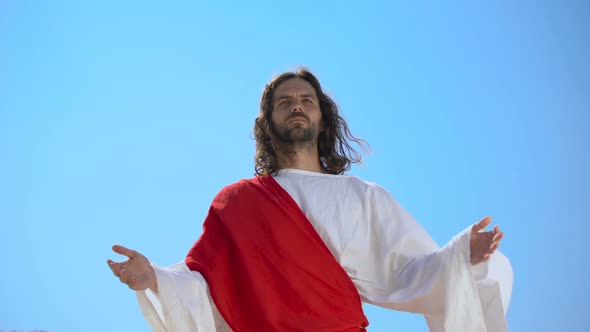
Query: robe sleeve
183	302
395	264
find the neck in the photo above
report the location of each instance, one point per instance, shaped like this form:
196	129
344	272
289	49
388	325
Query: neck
304	158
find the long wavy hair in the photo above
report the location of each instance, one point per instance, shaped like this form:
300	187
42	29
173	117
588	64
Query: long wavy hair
334	149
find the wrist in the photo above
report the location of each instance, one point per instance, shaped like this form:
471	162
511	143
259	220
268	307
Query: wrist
153	284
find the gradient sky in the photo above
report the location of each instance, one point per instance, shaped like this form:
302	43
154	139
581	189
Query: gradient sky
119	122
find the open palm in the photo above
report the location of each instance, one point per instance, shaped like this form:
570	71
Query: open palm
484	243
136	272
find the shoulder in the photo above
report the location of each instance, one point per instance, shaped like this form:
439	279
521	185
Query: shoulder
367	192
371	188
241	188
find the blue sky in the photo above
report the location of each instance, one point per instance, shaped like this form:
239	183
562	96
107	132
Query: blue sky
119	122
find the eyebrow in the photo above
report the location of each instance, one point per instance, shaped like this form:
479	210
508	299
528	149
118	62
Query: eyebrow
305	95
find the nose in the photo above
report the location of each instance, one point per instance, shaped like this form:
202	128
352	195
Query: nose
297	107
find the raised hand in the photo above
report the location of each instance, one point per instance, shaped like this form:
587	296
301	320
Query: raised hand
136	272
484	244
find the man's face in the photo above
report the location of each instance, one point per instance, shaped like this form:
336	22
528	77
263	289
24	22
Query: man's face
296	115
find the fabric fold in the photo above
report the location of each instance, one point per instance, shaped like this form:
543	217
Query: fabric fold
259	248
378	251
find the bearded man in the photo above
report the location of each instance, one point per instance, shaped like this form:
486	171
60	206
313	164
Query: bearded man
301	246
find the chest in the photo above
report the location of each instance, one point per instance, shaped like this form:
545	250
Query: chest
335	208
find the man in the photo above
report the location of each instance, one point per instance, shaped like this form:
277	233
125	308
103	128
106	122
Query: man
301	246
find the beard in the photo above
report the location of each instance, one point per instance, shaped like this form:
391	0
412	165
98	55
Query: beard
292	135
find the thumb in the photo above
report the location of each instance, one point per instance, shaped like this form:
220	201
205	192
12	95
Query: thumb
481	224
119	249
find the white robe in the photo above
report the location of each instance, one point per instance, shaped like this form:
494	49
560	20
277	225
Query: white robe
390	258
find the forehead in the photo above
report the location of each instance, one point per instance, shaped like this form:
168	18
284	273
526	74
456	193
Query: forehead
292	87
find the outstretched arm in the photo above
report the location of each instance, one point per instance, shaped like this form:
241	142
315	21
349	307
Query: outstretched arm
395	264
180	303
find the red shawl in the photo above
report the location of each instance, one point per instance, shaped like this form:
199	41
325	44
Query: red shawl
266	266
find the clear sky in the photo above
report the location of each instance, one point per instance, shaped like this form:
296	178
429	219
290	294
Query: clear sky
120	120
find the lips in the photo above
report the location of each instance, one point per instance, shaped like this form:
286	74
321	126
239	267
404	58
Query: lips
298	119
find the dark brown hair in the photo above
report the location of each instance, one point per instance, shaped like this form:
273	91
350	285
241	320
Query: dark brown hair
336	154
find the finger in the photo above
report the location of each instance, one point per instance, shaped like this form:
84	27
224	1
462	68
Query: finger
127	279
124	251
115	267
498	237
481	259
124	276
493	247
482	224
132	281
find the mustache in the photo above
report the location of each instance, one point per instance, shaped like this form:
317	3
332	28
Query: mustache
298	115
